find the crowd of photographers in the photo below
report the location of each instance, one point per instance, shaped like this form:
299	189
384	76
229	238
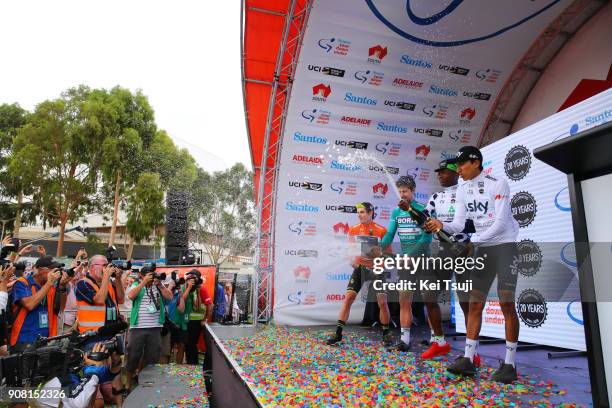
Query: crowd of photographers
95	295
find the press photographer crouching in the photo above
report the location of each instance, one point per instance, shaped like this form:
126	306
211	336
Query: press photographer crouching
148	315
37	301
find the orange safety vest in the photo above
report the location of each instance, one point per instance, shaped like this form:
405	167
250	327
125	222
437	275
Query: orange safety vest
92	317
23	312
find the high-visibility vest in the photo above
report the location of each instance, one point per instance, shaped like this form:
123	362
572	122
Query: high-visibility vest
23	312
92	317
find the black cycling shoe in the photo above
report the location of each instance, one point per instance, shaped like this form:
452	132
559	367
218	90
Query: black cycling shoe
506	373
335	339
403	347
387	340
462	366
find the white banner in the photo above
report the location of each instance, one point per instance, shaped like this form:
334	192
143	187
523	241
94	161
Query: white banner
549	298
381	90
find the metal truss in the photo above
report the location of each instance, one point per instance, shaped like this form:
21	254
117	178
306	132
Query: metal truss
533	63
291	41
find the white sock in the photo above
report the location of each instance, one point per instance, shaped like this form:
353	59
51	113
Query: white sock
432	337
470	348
440	340
510	352
406	335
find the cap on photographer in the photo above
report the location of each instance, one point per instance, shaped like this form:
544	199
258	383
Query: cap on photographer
148	315
99	295
34	302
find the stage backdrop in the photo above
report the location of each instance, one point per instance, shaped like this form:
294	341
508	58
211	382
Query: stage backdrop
382	89
549	298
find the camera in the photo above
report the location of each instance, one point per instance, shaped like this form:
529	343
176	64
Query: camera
150	268
116	344
123	265
195	277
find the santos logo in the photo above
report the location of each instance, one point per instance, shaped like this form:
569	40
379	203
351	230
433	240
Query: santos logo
337	276
415	62
364	100
345	166
298	137
291	206
391	128
434	89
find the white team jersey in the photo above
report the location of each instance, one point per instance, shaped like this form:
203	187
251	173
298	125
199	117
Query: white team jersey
486	201
441	206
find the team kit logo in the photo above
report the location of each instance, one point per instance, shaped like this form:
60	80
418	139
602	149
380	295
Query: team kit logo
335	45
524	208
316	116
517	162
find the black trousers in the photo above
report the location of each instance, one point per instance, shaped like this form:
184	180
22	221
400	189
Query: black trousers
194	328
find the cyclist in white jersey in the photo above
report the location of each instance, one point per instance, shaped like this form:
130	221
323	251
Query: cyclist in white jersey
486	201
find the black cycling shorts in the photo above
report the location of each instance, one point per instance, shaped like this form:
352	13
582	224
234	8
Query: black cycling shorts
499	262
361	275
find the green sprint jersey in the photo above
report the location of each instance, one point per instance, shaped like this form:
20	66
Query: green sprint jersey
413	240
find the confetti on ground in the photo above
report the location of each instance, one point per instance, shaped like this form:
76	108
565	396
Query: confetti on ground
293	367
182	374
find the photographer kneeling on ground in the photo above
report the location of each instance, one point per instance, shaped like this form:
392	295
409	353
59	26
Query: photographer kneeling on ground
34	303
146	320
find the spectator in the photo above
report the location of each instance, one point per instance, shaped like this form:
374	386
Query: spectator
34	305
201	304
99	295
235	310
6	273
148	315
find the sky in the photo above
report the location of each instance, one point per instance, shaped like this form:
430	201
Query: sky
184	55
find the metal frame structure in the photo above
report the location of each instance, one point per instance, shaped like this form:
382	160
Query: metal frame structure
291	41
529	69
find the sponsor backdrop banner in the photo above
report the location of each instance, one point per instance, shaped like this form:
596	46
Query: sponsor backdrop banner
550	313
382	89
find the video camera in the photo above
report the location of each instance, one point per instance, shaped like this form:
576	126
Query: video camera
57	356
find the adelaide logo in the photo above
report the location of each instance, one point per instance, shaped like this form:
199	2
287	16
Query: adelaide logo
524	208
517	163
532	308
529	258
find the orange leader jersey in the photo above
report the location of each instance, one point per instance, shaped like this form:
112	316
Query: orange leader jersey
371	229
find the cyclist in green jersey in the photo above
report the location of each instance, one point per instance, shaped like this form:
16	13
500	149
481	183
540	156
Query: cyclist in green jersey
414	242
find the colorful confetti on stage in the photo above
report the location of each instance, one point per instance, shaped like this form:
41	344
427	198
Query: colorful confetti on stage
183	374
293	367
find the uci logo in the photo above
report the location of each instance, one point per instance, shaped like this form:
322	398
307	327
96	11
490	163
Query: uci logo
425	23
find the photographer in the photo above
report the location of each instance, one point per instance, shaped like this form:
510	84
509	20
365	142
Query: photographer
34	305
201	303
99	295
146	320
6	273
68	317
179	315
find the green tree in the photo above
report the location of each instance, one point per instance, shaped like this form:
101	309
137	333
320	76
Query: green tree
12	118
57	154
145	209
222	212
123	153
